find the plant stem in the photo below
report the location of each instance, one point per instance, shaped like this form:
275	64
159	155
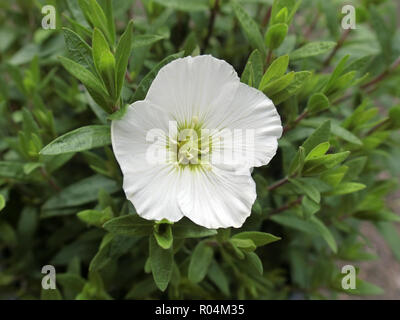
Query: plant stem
337	47
347	96
312	26
296	121
211	23
287	206
278	183
267	17
128	77
383	75
374	81
268	59
379	125
49	179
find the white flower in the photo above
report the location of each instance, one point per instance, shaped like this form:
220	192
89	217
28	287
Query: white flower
196	93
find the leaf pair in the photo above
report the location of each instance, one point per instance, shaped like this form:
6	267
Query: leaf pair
98	69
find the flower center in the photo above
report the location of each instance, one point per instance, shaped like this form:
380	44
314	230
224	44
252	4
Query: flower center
192	146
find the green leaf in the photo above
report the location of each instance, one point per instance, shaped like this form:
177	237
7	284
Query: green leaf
339	69
104	61
391	235
276	70
297	163
122	55
244	244
94	288
200	261
249	27
81	139
129	225
345	135
95	217
253	70
218	277
305	187
92	84
364	288
310	207
50	294
317	102
99	20
384	34
79	193
277	7
320	135
259	238
255	262
185	5
79	51
383	215
141	289
348	187
312	226
275	35
394	116
359	65
161	263
356	166
320	164
325	233
111	248
144	40
163	234
12	170
110	19
312	49
82	30
280	17
318	151
7	234
72	284
187	229
144	85
32	166
279	84
299	81
2	202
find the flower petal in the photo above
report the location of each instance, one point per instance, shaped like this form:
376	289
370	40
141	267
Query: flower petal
139	143
194	87
216	199
254	125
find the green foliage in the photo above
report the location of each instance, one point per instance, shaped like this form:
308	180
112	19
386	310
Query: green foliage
61	196
84	138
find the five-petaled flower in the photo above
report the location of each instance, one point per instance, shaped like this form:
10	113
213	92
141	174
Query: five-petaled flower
202	172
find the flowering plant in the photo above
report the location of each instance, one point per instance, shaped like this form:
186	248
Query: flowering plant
196	149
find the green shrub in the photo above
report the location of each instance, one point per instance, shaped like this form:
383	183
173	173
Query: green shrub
61	196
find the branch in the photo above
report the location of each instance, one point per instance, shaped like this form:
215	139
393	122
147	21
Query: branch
211	23
296	121
266	17
49	179
287	206
278	184
337	47
383	75
347	96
